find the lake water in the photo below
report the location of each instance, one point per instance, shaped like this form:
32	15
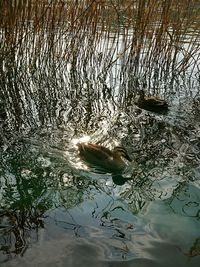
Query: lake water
54	210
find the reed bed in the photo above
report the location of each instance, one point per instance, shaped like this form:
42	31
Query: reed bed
51	50
142	34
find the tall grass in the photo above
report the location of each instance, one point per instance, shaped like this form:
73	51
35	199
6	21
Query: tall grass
55	49
142	33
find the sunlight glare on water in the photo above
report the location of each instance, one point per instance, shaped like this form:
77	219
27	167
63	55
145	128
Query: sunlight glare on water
83	139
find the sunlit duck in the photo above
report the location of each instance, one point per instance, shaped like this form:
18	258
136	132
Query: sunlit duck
102	158
151	103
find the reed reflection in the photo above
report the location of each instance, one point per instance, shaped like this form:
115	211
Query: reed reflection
27	194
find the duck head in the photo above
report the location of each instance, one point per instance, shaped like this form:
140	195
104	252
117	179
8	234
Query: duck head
119	152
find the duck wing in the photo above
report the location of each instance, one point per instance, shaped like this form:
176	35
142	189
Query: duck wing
99	158
93	152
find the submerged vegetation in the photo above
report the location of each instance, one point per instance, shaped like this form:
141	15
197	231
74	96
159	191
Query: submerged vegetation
70	68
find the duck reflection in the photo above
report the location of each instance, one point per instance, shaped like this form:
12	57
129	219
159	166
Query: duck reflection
119	179
105	160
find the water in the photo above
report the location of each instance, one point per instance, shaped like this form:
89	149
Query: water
54	210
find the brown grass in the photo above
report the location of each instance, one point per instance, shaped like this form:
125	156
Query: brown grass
149	32
112	46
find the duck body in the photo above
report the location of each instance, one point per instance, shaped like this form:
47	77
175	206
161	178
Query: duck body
152	103
102	158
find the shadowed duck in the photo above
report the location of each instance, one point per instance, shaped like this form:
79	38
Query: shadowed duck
102	158
151	103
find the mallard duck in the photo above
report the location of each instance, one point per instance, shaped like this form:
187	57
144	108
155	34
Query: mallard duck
102	158
151	103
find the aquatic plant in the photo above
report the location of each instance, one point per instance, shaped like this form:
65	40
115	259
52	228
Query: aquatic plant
54	50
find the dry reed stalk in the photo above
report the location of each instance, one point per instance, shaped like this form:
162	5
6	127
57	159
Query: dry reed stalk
115	44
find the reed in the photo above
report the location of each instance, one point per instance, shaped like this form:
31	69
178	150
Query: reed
143	33
51	49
